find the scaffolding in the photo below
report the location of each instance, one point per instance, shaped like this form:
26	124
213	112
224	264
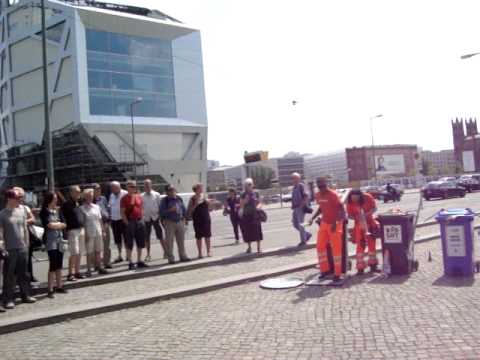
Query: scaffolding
78	159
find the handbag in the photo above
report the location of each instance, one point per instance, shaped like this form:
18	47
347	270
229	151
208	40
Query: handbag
36	236
63	245
261	215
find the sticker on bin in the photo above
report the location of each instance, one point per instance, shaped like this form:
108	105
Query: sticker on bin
455	239
392	234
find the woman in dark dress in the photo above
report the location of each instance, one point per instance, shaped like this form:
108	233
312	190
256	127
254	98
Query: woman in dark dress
199	211
250	224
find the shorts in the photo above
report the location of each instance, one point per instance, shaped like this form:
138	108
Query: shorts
135	232
94	243
55	260
76	241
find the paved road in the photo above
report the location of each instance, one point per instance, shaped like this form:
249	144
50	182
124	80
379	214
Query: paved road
278	230
425	316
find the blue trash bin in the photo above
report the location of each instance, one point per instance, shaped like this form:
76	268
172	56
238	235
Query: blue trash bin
456	228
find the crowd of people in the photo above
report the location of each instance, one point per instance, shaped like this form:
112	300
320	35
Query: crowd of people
81	223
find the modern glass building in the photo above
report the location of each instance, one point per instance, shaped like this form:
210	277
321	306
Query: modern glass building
102	59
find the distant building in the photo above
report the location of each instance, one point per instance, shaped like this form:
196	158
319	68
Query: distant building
288	165
365	163
213	164
466	144
332	164
442	162
216	180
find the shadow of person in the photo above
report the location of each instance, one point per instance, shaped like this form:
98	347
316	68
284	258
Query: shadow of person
454	281
390	280
310	292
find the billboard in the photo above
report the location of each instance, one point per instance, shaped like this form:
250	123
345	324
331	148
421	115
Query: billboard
390	164
468	159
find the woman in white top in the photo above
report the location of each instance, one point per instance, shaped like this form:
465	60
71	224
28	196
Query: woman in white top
92	222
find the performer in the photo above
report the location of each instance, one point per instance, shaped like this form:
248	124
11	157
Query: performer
361	208
331	229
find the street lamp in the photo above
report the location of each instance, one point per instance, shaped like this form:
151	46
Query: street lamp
373	144
137	101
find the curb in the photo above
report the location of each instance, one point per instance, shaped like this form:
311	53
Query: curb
56	316
163	269
69	313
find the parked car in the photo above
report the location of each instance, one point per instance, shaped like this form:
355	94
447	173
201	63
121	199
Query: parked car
372	190
286	197
448	178
442	190
470	182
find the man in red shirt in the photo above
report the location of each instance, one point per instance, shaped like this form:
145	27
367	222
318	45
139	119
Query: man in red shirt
331	229
131	208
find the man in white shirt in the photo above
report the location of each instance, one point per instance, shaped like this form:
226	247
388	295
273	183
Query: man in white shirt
151	217
118	226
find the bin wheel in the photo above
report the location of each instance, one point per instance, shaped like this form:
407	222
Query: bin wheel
415	265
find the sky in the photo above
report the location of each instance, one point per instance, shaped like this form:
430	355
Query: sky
343	61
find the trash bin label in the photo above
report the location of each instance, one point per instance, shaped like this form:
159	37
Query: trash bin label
455	239
392	234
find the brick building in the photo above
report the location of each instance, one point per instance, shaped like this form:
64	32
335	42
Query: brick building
466	144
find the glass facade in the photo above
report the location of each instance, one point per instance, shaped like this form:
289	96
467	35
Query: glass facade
122	68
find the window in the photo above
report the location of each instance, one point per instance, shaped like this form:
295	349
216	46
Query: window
54	33
130	67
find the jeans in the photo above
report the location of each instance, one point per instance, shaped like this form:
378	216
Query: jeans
298	218
15	269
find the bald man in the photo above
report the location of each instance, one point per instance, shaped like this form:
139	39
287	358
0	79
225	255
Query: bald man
300	203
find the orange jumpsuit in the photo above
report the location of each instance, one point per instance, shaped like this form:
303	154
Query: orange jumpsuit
331	208
364	225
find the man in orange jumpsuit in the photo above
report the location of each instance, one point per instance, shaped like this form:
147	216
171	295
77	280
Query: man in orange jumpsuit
331	229
361	207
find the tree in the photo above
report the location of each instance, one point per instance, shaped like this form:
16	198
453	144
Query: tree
427	168
262	176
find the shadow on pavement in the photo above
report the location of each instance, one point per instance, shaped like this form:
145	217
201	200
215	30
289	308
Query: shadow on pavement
391	280
310	292
454	281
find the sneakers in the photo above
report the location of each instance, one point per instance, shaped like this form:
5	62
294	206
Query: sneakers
185	259
29	300
148	258
61	291
141	265
131	266
71	278
88	274
80	276
323	276
118	260
51	294
108	266
9	305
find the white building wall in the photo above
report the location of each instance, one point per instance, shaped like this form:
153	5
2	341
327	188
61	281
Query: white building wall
175	148
331	164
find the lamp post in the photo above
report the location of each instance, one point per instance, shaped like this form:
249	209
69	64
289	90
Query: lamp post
137	101
46	106
373	144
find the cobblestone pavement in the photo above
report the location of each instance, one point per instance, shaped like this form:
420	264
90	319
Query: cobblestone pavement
424	316
109	291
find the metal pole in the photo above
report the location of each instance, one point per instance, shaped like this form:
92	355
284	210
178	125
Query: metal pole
46	106
133	144
373	151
